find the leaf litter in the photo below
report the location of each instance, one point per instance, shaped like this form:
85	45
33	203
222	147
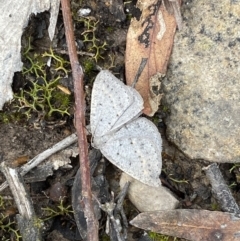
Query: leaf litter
151	37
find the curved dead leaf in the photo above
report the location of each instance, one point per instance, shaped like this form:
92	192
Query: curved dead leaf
64	89
191	224
151	37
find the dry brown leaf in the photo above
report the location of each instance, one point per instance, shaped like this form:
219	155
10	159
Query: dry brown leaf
64	89
191	224
19	161
151	37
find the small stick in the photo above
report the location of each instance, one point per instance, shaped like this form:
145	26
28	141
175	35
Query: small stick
27	220
62	51
173	7
140	70
78	52
112	225
77	73
220	189
119	208
43	156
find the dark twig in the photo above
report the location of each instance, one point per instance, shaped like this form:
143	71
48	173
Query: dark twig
119	208
115	211
140	70
113	227
220	189
77	72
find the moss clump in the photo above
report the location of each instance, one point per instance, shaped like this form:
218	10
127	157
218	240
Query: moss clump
41	96
88	65
93	44
161	237
60	210
8	229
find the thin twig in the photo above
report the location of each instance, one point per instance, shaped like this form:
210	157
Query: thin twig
77	72
43	156
140	70
220	189
27	219
62	51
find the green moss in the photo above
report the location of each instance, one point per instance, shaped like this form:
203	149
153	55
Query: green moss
4	117
160	237
8	228
176	180
41	97
215	207
110	29
165	109
105	237
88	65
59	210
58	62
93	44
235	165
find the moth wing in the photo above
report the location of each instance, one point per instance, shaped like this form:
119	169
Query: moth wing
113	104
136	149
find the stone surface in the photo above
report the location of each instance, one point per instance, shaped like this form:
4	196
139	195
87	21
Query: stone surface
14	18
202	86
147	198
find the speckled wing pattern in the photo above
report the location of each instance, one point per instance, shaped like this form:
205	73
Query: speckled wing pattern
130	142
136	149
113	104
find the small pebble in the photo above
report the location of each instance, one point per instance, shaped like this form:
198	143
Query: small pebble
147	198
57	192
84	12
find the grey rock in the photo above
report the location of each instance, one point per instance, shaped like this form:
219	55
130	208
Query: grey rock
202	86
147	198
14	18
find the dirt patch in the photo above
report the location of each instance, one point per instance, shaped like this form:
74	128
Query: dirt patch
17	141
